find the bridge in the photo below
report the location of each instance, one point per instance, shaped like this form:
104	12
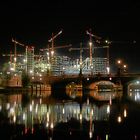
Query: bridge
60	82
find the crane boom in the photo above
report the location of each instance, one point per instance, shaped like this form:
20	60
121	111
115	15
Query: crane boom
90	34
70	49
57	47
53	37
16	42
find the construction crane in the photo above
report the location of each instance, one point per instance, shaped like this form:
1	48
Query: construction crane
52	40
57	47
50	51
15	50
90	43
85	48
15	46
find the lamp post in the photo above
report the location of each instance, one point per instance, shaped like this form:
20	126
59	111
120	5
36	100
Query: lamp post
119	62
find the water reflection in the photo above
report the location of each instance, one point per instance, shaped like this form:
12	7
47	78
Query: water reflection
78	114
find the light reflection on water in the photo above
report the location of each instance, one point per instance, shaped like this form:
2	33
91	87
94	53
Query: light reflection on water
93	116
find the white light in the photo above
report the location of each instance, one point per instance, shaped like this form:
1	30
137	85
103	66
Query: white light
137	82
108	109
15	59
90	134
63	111
14	118
90	43
0	107
8	72
47	124
52	52
110	78
12	69
24	116
108	70
7	106
80	116
12	111
31	108
51	126
119	119
24	60
31	71
125	113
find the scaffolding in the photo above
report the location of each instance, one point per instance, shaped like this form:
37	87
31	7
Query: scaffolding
30	59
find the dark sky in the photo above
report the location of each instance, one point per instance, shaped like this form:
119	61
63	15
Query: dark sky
33	22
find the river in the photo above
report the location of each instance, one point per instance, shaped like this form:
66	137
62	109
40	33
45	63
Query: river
74	115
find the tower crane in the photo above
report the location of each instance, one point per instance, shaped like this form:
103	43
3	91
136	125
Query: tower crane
15	45
90	43
27	48
50	51
81	50
15	50
52	40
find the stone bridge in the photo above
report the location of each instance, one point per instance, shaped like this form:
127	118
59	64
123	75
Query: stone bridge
125	79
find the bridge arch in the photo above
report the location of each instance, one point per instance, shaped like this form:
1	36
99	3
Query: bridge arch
134	85
103	85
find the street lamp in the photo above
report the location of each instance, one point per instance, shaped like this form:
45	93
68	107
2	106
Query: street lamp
119	67
124	67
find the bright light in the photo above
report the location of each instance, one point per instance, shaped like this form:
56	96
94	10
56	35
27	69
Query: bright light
125	113
108	69
12	69
31	108
110	78
47	124
124	66
24	60
7	106
12	111
90	43
15	59
14	118
119	61
51	126
119	119
8	72
90	134
0	107
31	71
52	53
108	109
80	116
63	111
24	116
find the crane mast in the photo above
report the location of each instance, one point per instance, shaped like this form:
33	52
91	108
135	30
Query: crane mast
15	50
52	41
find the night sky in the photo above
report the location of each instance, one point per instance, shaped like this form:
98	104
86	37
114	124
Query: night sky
32	23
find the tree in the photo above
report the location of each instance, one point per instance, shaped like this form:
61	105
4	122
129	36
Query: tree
25	80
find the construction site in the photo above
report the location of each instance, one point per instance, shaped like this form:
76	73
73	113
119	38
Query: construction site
48	63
